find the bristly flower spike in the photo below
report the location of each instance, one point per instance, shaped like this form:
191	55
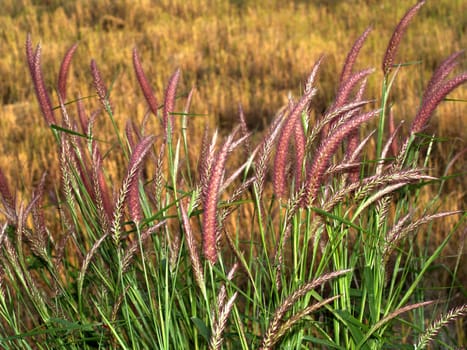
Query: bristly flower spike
244	129
300	145
353	139
64	69
169	102
196	265
433	100
283	143
99	86
144	83
324	154
34	62
352	55
131	179
210	230
30	56
288	128
134	170
442	72
397	35
101	191
346	87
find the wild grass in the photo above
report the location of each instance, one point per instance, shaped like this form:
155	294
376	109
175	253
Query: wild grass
306	235
231	52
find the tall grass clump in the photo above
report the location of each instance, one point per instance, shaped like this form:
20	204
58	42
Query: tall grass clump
300	240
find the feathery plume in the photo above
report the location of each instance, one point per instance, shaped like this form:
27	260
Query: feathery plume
144	83
206	160
283	142
101	191
169	102
38	240
210	229
352	55
353	139
288	127
136	161
63	73
392	315
218	329
433	100
397	35
280	312
442	72
430	333
158	177
265	150
134	171
82	117
198	269
136	244
347	86
321	123
244	129
371	183
314	72
34	62
300	145
390	143
30	56
399	232
87	260
324	154
134	205
129	133
376	196
41	233
350	161
288	324
230	204
188	100
99	86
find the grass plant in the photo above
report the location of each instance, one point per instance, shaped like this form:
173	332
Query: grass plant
304	237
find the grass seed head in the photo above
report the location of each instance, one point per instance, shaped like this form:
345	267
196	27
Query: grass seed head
100	86
397	35
63	73
324	154
169	101
34	62
352	55
433	100
144	83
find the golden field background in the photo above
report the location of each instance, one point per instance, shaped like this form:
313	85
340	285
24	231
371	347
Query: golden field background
252	52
